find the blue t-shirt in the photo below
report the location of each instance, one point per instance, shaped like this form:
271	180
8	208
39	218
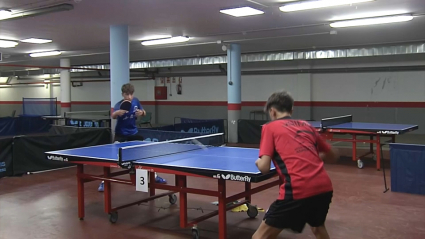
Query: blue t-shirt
126	124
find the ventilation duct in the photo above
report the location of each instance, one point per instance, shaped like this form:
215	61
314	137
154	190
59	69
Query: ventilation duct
276	56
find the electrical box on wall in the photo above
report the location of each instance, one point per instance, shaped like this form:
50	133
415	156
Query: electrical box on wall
160	92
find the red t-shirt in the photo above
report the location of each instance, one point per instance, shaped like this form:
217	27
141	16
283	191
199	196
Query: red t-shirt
294	147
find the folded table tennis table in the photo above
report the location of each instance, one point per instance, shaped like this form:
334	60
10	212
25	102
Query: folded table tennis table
181	158
330	127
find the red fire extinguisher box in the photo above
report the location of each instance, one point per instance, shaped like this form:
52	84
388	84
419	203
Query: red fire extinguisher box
160	92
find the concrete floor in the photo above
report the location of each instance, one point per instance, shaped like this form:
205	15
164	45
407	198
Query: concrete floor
44	205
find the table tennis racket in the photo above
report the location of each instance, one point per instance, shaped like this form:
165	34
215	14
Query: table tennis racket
125	105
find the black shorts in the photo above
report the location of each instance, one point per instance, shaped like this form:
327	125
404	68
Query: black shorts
124	138
295	214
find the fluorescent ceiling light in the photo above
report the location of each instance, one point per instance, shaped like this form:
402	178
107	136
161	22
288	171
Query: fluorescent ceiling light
153	37
36	40
4	14
371	21
3	80
8	44
368	15
47	53
318	4
166	41
242	11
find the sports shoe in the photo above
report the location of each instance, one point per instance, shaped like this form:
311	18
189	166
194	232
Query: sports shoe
158	179
100	189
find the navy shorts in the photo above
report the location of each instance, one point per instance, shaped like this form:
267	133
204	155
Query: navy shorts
294	214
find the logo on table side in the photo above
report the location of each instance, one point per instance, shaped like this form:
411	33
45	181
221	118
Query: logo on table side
233	177
388	132
57	158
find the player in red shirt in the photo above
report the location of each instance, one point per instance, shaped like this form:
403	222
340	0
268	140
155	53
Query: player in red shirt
297	151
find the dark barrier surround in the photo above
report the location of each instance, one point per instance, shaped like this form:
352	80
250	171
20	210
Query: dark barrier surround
407	168
23	125
28	151
6	157
249	131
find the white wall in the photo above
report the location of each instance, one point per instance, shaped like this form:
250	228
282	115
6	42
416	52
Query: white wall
376	86
197	89
19	92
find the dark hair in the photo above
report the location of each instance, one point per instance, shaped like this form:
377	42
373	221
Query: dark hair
282	101
127	89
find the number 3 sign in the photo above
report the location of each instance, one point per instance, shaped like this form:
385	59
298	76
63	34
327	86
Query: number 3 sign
142	180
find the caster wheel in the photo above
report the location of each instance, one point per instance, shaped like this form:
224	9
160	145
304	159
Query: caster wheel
172	199
360	163
195	233
113	217
81	218
252	211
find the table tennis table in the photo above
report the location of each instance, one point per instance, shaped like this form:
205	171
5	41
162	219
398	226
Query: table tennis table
330	127
182	158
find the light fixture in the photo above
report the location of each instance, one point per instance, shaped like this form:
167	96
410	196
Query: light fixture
8	44
5	13
3	80
318	4
166	41
47	53
36	40
371	21
242	11
154	37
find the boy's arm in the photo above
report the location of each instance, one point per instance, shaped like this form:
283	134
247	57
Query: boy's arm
326	152
266	150
116	111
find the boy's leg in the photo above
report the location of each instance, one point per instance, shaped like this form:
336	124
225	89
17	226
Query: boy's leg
265	231
117	138
141	138
320	232
282	215
318	211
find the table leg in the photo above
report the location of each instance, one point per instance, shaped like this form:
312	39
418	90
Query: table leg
371	144
181	182
354	147
107	189
222	230
247	188
152	184
80	188
378	152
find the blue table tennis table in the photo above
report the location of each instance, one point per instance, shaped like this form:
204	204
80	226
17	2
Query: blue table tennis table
218	163
330	127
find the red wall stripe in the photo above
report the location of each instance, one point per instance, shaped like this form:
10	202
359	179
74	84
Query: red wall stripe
234	106
357	104
66	104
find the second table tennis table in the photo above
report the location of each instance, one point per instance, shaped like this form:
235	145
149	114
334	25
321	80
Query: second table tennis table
330	127
181	158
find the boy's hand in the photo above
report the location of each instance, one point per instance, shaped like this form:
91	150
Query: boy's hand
120	112
140	112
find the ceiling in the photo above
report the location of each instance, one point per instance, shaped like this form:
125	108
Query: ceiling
83	32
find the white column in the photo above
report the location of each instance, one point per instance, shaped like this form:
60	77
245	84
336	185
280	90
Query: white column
120	63
65	86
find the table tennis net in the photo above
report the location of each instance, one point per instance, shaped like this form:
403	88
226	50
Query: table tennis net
336	120
157	149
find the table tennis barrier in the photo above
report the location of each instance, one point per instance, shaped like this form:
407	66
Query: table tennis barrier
185	123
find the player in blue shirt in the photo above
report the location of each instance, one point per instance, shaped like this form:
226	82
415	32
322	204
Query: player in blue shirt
126	129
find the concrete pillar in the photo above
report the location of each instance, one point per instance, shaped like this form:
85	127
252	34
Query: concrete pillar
120	63
233	91
65	86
